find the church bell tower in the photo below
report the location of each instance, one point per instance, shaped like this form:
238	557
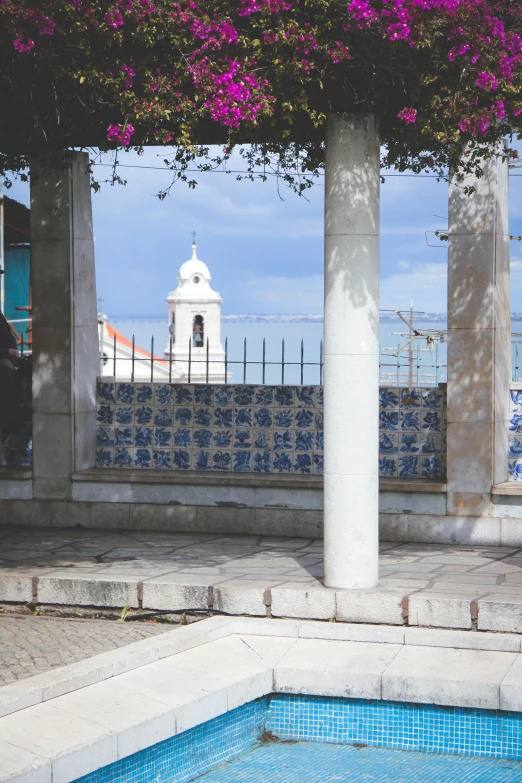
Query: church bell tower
195	325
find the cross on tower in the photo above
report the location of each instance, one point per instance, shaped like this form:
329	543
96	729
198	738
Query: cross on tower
193	237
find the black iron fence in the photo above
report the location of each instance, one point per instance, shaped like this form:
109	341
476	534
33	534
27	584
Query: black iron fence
168	367
258	365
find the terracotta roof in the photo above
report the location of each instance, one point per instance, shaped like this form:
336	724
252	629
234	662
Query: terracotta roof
121	340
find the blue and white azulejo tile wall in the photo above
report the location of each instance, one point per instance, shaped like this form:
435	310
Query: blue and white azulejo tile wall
515	434
256	429
182	427
412	432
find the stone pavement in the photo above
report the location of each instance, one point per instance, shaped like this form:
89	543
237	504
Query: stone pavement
421	584
31	645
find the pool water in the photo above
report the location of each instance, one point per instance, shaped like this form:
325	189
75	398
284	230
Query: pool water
312	762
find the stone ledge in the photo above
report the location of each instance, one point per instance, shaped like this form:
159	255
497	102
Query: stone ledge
241	479
508	488
198	479
411	485
16	484
18	474
67	679
267	597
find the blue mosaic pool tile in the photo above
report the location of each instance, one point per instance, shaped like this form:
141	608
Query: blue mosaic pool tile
282	762
421	727
260	429
190	754
424	728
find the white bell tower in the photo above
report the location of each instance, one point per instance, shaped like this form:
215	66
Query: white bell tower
195	325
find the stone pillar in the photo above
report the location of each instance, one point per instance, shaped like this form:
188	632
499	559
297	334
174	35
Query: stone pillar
479	339
65	331
351	351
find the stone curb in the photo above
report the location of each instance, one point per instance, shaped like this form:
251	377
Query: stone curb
48	685
430	609
57	682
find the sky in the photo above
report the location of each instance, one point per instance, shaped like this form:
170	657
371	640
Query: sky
265	253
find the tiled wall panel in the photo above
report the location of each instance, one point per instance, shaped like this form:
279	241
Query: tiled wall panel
260	429
515	435
265	429
412	432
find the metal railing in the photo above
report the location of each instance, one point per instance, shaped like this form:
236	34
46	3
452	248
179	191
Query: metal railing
167	368
409	369
262	367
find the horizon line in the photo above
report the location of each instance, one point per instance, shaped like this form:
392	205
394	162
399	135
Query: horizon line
314	316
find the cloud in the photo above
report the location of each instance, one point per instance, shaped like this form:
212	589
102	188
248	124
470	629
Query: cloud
425	284
286	294
218	206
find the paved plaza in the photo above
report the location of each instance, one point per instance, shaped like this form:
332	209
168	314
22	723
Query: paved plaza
31	645
443	586
273	562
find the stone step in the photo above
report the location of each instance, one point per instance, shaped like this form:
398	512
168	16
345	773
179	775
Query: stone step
470	609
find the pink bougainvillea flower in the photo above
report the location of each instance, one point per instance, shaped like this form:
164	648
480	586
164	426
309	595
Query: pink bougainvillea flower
47	26
499	109
398	31
249	7
114	18
487	81
361	10
23	46
119	134
276	64
130	73
408	115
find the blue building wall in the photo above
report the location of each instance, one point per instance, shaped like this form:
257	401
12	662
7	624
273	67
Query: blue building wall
17	283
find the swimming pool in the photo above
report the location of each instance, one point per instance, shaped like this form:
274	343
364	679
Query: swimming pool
308	762
322	739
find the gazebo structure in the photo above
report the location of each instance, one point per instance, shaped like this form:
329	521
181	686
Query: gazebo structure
311	100
465	509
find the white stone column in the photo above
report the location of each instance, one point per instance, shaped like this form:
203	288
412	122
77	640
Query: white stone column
351	352
479	342
65	329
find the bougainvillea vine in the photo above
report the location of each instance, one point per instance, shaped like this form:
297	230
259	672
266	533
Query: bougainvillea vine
441	74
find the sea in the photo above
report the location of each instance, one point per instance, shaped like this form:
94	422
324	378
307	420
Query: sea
292	346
